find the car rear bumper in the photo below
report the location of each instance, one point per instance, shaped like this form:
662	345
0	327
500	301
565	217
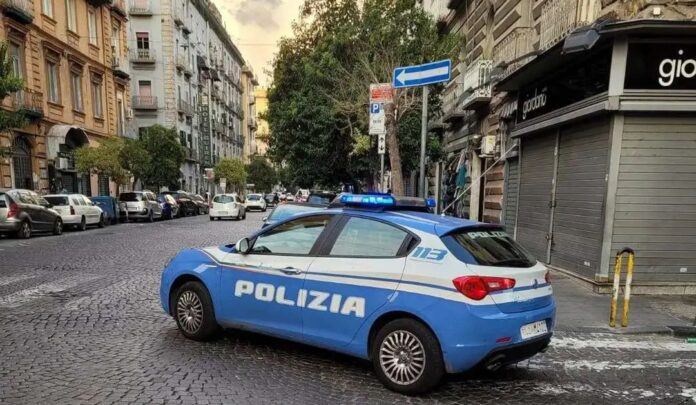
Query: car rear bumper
10	225
224	213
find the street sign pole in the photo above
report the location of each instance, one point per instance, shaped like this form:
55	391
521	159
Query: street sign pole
424	133
381	173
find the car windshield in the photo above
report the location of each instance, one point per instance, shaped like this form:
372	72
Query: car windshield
254	197
131	197
223	199
57	200
288	210
489	247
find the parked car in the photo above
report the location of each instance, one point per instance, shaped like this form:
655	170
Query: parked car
170	208
140	205
110	206
186	204
302	195
271	199
256	202
201	204
283	211
76	210
23	212
289	197
321	197
227	206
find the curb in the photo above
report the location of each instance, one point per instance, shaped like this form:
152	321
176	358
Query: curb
633	330
683	331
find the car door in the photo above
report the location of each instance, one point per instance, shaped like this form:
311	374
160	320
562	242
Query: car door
263	288
40	206
357	271
92	211
152	202
78	205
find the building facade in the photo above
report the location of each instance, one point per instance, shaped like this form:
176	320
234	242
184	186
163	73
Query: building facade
249	83
263	131
71	56
187	75
573	121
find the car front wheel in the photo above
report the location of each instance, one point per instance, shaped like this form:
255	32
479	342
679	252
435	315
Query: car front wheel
58	227
193	311
407	358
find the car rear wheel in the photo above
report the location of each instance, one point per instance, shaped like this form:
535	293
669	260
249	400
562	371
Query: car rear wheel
406	357
58	227
24	231
83	224
193	311
102	221
212	218
151	217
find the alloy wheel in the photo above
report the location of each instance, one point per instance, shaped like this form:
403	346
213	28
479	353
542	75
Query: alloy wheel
402	357
189	311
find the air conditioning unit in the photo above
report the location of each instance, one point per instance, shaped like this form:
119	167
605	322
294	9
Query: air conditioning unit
62	163
488	145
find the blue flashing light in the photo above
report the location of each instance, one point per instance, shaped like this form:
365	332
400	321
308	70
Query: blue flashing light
431	203
374	200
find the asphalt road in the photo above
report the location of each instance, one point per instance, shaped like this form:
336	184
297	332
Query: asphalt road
80	322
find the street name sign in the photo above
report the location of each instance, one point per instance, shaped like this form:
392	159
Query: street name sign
422	75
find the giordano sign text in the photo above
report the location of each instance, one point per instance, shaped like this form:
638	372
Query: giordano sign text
668	65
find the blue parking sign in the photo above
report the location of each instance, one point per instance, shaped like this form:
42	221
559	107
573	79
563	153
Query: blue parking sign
375	108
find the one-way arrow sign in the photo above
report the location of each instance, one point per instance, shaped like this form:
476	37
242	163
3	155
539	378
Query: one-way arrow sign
421	75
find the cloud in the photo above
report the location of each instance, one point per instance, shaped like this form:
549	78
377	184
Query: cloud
258	13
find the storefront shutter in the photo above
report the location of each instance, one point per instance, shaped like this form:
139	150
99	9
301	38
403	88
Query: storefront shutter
512	179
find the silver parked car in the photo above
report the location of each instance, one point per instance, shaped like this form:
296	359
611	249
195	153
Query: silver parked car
140	205
76	210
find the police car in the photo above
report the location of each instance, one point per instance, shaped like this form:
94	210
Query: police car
377	277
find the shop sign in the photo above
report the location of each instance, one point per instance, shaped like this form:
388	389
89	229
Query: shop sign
668	65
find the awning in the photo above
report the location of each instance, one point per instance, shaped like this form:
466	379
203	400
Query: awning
57	134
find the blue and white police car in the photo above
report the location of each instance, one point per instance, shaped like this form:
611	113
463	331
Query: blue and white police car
377	277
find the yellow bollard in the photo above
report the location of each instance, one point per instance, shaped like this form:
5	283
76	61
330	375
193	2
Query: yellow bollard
617	285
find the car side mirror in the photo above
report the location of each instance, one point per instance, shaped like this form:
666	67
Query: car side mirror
243	246
265	219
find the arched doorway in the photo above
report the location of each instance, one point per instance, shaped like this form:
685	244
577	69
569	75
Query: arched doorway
21	163
64	176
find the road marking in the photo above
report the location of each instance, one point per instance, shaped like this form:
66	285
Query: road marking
14	279
573	343
31	294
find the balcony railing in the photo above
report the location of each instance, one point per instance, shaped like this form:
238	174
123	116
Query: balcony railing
140	7
185	108
20	10
219	127
145	103
251	121
142	55
560	17
216	93
515	50
191	154
477	84
119	6
120	66
29	102
183	65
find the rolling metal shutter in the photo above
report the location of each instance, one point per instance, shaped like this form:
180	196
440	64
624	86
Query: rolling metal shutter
536	182
578	213
512	180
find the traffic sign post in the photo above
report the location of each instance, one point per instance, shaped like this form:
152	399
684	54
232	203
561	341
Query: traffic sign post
377	119
422	75
381	148
380	93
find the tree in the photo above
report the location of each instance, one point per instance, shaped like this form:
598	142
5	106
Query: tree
9	84
233	171
135	158
166	157
104	160
261	174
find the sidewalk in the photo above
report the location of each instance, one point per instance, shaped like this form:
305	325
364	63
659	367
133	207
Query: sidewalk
582	310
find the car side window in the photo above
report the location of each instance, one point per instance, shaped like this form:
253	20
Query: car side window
292	238
75	201
363	237
86	200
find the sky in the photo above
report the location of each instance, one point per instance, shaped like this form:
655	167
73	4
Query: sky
256	26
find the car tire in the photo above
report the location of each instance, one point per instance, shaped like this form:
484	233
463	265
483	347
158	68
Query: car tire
421	372
239	215
24	231
193	312
102	222
212	218
151	217
83	225
263	210
58	227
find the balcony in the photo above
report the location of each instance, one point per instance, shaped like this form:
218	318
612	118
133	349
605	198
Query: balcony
251	121
178	15
145	103
119	7
216	93
183	65
120	66
219	127
140	8
185	108
28	102
560	17
190	154
99	3
477	85
19	10
142	56
202	63
515	50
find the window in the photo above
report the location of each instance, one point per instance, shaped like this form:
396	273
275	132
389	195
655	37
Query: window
72	15
86	200
53	81
142	40
76	201
15	52
76	90
222	199
92	25
97	96
57	200
367	238
292	238
489	247
48	7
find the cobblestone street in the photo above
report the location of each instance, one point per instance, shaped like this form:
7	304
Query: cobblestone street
81	323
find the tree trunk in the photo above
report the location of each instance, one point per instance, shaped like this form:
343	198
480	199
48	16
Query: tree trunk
393	146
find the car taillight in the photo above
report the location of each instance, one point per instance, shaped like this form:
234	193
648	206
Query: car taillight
547	277
477	288
72	210
12	212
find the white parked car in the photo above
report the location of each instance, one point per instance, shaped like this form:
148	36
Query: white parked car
76	210
227	206
255	202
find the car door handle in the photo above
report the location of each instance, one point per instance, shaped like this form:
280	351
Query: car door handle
291	270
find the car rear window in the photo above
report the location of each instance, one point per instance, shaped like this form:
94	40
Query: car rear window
488	247
130	197
223	199
253	197
57	200
319	199
286	211
3	202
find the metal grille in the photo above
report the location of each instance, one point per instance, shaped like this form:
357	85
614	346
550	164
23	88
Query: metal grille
21	161
103	185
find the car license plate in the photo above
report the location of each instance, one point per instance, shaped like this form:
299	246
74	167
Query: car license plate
534	329
223	212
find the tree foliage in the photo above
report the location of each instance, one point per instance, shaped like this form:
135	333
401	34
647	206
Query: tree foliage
166	156
103	159
135	158
318	104
233	171
261	174
9	84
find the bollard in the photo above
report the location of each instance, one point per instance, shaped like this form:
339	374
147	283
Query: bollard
617	286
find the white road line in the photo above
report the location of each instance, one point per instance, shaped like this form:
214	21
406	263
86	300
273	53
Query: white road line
14	279
31	294
621	344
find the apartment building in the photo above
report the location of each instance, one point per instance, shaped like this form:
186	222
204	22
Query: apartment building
186	74
249	83
573	120
263	131
71	55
